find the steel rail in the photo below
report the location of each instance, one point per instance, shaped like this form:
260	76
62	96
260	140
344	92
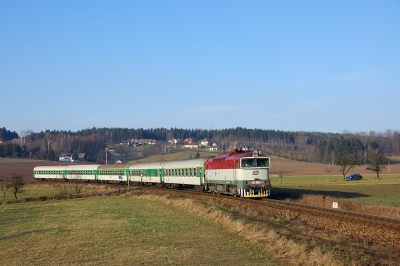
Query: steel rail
387	222
325	212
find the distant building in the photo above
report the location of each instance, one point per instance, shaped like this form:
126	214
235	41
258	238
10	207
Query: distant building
67	157
204	143
190	145
188	140
173	141
139	142
1	141
214	147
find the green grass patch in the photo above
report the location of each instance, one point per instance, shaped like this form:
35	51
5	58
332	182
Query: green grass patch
34	191
117	231
368	190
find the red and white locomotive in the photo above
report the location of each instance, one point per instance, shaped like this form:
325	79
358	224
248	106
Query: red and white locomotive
242	173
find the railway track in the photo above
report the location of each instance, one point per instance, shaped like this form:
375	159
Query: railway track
372	220
367	228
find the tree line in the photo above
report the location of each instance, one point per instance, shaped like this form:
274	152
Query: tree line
316	147
7	135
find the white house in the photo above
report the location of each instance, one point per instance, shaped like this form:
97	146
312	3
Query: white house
65	157
204	143
173	141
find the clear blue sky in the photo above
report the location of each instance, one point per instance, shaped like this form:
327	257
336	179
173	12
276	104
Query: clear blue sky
324	66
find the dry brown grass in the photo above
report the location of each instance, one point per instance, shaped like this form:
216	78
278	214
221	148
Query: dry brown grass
286	251
350	205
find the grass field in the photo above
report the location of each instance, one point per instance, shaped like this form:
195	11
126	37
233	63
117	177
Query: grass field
369	190
39	189
118	231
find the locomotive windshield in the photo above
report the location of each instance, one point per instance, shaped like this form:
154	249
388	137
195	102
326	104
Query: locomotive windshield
255	162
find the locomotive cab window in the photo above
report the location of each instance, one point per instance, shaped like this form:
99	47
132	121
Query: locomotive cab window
248	162
262	162
255	162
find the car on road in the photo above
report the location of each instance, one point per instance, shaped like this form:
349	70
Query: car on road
353	177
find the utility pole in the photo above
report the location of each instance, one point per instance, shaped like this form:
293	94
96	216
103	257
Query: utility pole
107	151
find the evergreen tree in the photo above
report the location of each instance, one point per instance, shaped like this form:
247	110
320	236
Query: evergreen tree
51	155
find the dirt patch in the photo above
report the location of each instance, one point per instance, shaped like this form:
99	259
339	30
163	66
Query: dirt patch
24	168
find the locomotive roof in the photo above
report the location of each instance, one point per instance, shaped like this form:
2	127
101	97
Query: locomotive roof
231	155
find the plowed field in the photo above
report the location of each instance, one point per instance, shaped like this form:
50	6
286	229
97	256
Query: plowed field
21	167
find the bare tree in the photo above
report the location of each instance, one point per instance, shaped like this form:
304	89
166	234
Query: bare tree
16	184
328	170
63	189
346	161
4	186
78	185
73	187
377	162
281	174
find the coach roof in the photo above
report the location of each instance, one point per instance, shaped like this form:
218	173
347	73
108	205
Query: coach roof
185	163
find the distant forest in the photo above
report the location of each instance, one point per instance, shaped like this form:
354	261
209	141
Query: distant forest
315	147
